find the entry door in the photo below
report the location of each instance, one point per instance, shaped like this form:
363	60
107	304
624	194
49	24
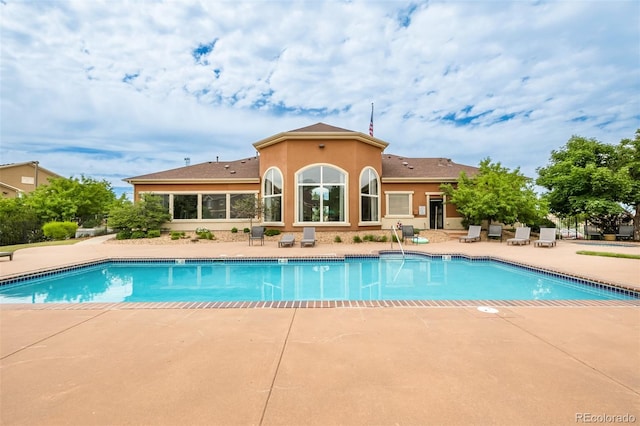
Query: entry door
436	216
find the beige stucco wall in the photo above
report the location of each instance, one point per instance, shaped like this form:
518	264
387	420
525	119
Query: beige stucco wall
24	177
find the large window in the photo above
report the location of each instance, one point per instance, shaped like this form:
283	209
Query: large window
272	196
241	205
369	196
321	195
214	206
185	206
399	203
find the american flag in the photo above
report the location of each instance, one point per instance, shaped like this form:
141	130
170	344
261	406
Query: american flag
371	122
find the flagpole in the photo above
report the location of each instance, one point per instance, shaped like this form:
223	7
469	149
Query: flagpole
371	122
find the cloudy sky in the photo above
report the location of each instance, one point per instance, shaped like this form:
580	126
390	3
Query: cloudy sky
114	89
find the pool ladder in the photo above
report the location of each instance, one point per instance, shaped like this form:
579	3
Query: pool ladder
395	232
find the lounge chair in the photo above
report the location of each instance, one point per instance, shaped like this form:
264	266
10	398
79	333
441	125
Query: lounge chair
625	232
308	237
472	235
547	238
591	232
407	232
495	231
287	240
521	237
7	253
257	233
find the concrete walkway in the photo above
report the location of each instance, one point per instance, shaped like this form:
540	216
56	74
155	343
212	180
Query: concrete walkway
355	366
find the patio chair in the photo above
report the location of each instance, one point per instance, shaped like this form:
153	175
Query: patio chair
257	233
625	232
521	237
287	240
591	232
308	237
495	231
547	238
472	235
407	232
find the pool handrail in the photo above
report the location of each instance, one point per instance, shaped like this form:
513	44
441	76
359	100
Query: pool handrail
395	232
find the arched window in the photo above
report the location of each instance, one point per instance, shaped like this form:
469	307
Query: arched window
272	195
321	194
369	196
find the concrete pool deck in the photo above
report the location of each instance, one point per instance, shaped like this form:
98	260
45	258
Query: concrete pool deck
354	366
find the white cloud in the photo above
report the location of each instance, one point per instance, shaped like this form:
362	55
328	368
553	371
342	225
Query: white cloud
112	89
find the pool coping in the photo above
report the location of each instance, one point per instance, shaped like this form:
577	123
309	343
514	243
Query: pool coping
584	280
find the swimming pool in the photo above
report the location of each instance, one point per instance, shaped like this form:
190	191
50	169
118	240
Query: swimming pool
349	279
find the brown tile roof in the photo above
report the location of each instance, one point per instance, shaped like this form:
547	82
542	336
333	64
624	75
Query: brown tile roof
246	168
394	166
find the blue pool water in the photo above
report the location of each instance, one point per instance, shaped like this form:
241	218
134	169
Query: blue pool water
418	278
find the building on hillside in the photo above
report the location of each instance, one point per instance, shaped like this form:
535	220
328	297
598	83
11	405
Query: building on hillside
321	176
22	178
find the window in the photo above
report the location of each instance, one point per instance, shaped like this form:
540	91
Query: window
214	206
272	196
399	203
239	203
185	206
369	196
321	195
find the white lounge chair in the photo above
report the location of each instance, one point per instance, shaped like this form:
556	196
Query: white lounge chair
308	237
547	238
472	235
521	237
495	231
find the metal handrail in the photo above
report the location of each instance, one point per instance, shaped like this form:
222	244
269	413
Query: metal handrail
395	232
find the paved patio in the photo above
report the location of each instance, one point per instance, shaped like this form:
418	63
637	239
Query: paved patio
349	366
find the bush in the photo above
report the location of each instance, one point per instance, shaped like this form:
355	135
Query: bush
357	239
204	234
271	232
138	234
123	235
153	233
382	239
176	235
234	230
246	230
337	239
59	230
369	238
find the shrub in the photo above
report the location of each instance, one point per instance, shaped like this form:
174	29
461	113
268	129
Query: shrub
153	233
382	239
337	239
357	239
123	235
394	238
369	238
271	232
234	230
138	234
59	230
204	234
176	235
246	230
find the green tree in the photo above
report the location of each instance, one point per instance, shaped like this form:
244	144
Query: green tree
495	194
146	214
72	199
587	177
250	207
629	159
19	223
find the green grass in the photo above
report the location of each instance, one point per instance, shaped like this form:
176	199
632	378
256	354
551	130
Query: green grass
41	244
608	254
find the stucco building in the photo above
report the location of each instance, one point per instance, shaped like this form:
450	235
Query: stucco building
22	178
320	175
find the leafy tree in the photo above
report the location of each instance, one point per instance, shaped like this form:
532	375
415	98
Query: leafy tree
146	214
588	177
495	194
250	207
629	158
19	223
71	199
